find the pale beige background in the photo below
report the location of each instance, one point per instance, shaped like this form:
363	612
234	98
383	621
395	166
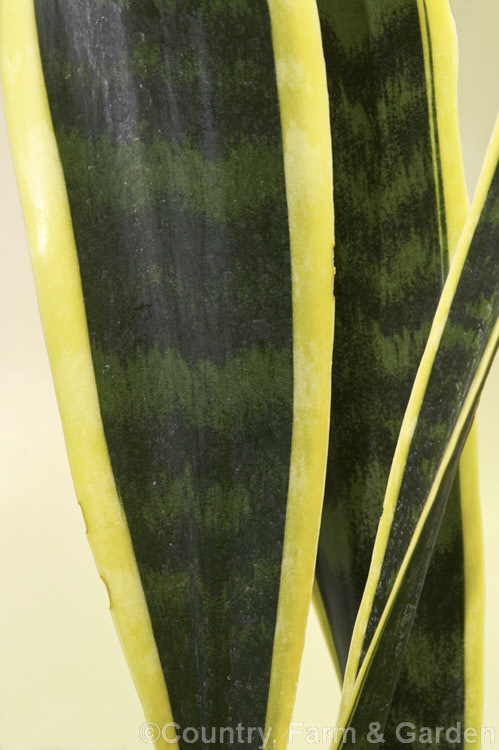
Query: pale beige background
63	681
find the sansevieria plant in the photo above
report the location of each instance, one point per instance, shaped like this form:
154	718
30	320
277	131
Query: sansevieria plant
270	313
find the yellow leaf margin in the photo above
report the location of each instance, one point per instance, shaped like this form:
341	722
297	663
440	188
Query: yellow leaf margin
304	106
55	265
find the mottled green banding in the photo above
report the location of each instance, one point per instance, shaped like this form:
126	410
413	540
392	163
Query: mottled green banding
391	661
462	347
139	173
455	370
167	122
389	256
249	386
431	688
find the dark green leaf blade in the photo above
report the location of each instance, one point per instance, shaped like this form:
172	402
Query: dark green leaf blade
391	256
163	156
458	356
390	67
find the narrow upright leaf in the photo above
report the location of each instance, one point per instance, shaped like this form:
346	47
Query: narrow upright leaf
400	204
458	355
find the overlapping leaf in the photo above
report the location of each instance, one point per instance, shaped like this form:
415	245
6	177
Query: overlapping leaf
400	205
457	358
389	259
393	242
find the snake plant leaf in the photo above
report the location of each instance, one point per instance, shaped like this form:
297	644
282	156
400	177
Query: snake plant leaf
390	264
440	678
174	165
398	171
460	349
